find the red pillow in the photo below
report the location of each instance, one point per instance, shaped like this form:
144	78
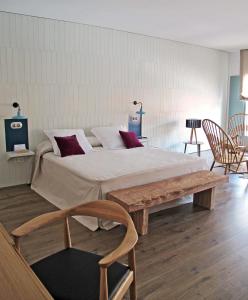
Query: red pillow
68	145
130	139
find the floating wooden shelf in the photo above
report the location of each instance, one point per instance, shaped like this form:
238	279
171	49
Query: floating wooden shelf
14	154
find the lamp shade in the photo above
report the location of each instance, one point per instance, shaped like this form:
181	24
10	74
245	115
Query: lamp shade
193	123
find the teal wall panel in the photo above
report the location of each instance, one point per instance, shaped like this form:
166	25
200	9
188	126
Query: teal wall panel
235	104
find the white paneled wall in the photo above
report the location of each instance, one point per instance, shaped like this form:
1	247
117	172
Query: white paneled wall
71	75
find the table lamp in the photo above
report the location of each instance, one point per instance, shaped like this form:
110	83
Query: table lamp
193	124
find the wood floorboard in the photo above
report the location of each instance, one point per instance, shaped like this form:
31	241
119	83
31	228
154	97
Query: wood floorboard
189	253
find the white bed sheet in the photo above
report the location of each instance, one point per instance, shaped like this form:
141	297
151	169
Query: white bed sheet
78	179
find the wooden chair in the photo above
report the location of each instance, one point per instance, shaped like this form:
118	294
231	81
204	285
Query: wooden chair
238	129
73	274
224	150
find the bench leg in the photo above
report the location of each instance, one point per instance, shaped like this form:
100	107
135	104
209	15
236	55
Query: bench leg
140	219
205	199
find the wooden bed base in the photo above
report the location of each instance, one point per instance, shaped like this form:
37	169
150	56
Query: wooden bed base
139	199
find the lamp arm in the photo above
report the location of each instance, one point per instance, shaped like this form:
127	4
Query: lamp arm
19	111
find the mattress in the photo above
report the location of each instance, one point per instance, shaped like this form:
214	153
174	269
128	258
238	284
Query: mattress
72	180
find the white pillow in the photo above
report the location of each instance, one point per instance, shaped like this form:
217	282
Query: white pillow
109	137
93	141
82	140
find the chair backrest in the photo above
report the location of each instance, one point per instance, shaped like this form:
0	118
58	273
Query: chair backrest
238	127
222	146
103	209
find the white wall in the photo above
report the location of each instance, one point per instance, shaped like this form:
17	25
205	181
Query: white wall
72	75
234	61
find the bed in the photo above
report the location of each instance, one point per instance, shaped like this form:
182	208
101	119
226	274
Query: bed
78	179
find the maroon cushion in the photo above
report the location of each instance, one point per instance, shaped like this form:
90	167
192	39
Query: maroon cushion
130	139
68	145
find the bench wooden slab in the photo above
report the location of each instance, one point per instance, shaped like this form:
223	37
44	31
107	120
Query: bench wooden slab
137	200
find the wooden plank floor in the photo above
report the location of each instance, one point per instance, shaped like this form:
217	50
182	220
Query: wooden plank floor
189	253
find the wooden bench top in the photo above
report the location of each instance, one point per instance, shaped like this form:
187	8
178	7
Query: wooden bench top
152	194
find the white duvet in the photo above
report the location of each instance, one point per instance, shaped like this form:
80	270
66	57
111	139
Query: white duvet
77	179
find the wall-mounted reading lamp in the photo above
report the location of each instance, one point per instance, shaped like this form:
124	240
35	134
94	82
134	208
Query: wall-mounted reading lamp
18	114
141	113
244	74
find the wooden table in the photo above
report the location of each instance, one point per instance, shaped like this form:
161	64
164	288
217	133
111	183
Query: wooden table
139	199
198	144
17	280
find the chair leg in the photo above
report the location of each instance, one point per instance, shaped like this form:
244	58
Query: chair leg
226	166
212	166
132	265
103	284
239	166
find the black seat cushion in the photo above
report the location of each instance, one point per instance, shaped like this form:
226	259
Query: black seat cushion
73	274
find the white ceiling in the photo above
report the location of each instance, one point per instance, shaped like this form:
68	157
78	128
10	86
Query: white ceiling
220	24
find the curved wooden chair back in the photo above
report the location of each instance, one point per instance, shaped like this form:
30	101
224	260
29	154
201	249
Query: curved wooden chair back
222	146
103	209
238	127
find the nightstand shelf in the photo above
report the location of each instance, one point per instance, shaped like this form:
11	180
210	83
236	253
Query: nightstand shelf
13	154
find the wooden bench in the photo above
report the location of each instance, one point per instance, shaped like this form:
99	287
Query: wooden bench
139	199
